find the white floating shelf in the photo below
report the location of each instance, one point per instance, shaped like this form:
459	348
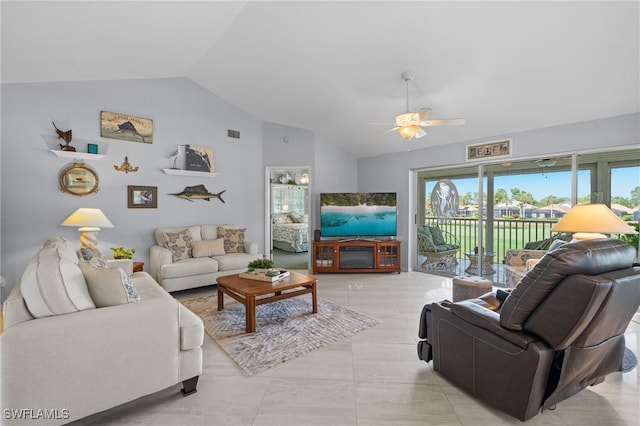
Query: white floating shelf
77	155
188	173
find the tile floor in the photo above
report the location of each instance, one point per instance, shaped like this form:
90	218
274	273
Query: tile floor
372	378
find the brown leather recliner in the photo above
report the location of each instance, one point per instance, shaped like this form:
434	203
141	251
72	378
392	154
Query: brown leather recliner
558	331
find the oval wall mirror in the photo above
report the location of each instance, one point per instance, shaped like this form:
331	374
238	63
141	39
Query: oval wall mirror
79	180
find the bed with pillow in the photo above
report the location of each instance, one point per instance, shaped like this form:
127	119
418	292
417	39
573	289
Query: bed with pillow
290	232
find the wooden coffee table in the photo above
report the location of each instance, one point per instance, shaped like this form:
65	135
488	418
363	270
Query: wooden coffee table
246	292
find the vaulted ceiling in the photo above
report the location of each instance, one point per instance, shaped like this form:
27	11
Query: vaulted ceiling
334	67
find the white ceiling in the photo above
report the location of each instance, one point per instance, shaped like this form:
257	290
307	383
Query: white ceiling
333	67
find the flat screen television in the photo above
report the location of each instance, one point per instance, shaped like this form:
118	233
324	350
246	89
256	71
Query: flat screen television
358	214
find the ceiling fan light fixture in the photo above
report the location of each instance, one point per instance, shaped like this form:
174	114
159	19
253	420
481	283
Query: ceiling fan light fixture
405	119
408	132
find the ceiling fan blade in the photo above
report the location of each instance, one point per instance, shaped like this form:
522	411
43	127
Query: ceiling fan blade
421	133
424	113
380	124
393	129
443	122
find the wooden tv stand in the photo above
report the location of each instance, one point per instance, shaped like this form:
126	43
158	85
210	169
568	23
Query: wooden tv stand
356	256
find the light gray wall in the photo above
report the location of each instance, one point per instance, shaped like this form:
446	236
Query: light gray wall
331	168
392	172
183	113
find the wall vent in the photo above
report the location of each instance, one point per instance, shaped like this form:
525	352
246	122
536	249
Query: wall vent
233	134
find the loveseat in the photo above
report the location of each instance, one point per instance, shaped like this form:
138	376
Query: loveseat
80	338
194	256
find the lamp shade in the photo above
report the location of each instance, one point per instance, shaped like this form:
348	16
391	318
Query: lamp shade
592	218
87	218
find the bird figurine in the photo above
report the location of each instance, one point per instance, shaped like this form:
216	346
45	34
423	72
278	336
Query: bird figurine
66	136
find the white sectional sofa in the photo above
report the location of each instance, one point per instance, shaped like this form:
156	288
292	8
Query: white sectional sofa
79	340
194	256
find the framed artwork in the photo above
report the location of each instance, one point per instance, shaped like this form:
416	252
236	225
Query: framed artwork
126	127
199	158
485	150
92	148
142	197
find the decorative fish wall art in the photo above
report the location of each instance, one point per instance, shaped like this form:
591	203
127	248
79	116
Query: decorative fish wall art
198	192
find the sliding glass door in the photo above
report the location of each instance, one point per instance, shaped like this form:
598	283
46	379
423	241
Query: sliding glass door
487	210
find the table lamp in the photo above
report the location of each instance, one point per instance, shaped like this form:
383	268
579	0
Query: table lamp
89	222
591	221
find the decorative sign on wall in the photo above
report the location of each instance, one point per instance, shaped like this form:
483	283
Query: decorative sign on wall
126	127
199	158
493	149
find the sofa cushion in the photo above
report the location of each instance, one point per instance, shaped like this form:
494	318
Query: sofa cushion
191	266
436	234
90	256
108	286
191	329
179	243
235	260
233	239
53	284
208	248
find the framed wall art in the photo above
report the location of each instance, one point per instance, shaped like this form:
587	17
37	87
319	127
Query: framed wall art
126	127
501	148
142	197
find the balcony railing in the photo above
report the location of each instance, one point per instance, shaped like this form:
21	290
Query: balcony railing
499	235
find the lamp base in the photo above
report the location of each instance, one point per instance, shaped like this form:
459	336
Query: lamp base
88	237
581	236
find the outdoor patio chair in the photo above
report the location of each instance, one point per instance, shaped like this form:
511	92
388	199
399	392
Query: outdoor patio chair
438	247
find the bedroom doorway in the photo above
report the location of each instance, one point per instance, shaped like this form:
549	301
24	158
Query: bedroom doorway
288	216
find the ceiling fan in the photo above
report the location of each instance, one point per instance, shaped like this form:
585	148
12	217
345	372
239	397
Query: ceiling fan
410	124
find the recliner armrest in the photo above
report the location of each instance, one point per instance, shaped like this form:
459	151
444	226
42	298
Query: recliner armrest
477	315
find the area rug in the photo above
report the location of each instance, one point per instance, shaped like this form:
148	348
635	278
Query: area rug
285	329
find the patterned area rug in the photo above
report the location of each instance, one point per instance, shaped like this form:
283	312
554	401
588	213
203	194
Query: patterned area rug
284	330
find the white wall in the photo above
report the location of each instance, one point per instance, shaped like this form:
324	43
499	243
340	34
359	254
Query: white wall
183	113
391	172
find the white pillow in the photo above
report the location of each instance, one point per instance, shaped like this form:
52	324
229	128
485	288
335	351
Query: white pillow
53	284
108	286
208	248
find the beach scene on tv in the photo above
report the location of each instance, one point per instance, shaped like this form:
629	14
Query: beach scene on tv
358	214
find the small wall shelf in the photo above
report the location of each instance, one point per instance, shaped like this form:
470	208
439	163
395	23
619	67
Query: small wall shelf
188	173
77	155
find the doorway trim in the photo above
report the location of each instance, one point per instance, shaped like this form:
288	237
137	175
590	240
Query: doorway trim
268	240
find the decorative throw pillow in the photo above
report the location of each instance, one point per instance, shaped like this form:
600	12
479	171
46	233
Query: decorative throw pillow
233	239
280	218
295	217
53	284
89	255
208	248
179	243
108	286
